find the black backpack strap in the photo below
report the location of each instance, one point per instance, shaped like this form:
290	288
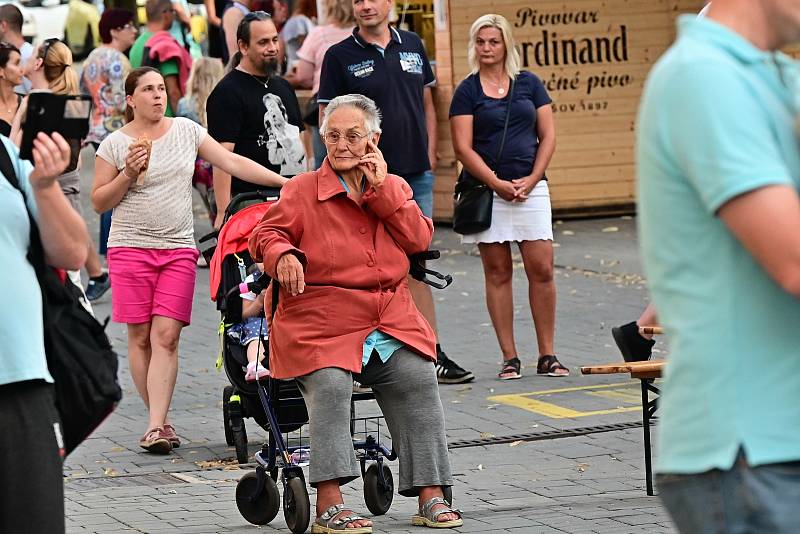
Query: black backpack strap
7	168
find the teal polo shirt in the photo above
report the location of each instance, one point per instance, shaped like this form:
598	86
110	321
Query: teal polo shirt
718	119
22	354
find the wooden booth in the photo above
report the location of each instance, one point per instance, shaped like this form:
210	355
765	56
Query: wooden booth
593	57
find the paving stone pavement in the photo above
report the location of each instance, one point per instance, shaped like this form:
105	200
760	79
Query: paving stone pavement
593	483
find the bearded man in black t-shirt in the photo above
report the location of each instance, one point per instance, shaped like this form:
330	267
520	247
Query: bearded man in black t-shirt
255	113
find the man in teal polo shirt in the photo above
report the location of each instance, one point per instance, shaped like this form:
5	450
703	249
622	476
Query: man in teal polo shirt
718	163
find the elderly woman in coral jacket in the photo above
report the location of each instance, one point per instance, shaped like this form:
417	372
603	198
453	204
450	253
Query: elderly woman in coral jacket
338	242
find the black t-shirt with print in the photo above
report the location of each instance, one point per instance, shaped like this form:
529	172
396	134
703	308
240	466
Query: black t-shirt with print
263	123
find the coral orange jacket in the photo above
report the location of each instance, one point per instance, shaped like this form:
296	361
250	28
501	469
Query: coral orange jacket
355	257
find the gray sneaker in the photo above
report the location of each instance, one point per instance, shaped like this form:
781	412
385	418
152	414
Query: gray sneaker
97	289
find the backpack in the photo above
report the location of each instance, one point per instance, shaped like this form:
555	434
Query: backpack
79	354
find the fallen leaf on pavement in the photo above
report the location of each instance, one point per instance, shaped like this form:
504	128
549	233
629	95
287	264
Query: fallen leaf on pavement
486	435
568	232
109	472
518	442
480	467
117	449
582	467
608	229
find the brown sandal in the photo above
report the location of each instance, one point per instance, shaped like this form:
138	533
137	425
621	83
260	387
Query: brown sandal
511	370
548	365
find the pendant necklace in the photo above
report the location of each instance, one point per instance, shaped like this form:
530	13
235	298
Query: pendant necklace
264	83
498	86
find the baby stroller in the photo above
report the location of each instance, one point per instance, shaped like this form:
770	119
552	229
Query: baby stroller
277	405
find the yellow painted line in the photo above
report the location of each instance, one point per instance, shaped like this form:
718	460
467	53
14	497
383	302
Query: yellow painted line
627	396
554	411
577	388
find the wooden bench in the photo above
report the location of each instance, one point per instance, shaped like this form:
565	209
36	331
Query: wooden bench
646	372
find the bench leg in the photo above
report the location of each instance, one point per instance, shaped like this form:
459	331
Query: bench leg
648	461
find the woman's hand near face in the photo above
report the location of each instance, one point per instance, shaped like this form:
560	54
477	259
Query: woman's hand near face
373	165
135	161
290	274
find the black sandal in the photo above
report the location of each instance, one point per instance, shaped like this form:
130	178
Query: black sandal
511	370
548	365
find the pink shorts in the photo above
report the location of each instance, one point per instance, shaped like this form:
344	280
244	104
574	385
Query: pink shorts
147	282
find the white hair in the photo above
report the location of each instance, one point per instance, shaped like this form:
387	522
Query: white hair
372	115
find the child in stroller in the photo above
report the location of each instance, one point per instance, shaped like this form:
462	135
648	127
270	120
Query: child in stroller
251	331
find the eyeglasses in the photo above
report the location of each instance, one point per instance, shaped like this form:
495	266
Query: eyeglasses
128	26
351	138
256	15
46	44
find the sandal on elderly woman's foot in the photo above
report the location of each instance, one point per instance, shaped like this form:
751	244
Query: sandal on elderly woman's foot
550	366
335	520
427	517
511	370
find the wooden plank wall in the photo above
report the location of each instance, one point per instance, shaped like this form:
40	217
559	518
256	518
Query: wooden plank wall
595	92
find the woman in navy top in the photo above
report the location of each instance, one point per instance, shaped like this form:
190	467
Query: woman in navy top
521	208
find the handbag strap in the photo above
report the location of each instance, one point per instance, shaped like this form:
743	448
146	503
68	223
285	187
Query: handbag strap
505	126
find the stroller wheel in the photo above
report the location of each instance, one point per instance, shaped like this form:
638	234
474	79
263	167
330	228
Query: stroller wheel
296	506
226	415
240	442
378	493
261	509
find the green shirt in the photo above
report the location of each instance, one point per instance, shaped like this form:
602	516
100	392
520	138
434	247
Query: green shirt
717	120
168	68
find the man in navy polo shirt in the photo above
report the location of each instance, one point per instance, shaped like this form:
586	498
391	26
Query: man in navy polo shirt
390	67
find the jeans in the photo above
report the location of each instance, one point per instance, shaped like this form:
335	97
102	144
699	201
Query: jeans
422	186
742	500
320	151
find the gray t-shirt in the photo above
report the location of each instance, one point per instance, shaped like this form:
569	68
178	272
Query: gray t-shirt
158	213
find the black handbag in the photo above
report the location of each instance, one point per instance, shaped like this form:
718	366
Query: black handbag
79	355
472	199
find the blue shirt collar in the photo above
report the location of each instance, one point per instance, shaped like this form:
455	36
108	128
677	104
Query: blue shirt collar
363	44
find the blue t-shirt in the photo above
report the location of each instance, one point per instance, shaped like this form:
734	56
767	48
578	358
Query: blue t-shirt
718	120
21	329
395	78
489	116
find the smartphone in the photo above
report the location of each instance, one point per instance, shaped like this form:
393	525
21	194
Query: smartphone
48	113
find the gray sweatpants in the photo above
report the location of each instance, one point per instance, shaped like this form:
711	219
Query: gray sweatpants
408	394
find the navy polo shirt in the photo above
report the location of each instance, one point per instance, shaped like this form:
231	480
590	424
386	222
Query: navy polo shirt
395	78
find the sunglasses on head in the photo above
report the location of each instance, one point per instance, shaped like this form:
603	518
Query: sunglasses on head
46	44
8	46
257	15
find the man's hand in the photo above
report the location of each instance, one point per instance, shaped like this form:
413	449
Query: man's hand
218	220
50	158
290	274
433	157
373	165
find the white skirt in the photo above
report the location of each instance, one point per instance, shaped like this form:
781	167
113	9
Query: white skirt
531	220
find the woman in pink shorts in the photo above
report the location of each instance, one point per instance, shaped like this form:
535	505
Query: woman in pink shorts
151	251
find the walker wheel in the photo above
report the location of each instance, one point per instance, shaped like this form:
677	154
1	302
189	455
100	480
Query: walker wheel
264	507
296	506
378	494
226	415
